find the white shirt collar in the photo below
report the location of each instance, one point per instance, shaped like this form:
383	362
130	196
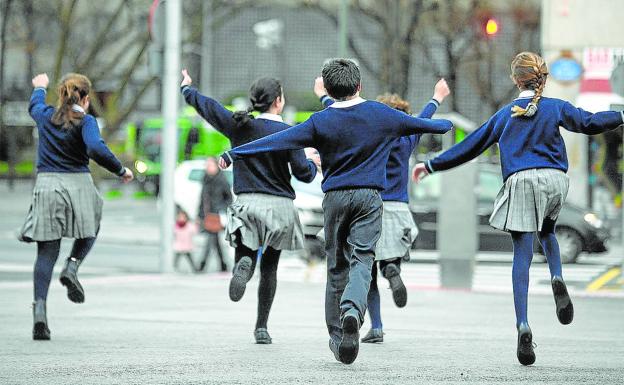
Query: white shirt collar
268	116
78	108
526	94
348	103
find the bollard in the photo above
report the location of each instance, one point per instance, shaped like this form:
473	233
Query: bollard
457	236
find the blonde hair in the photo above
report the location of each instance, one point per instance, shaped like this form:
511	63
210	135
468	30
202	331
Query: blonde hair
529	71
395	101
71	90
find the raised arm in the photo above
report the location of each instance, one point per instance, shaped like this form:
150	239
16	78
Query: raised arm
97	149
466	150
38	107
412	125
209	109
578	120
293	138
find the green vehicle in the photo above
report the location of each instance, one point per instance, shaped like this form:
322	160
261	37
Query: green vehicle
196	140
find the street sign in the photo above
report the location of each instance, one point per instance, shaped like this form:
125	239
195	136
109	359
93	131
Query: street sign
16	114
566	69
617	79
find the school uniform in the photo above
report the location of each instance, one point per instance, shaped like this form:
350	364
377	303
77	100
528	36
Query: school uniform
354	139
263	214
532	155
65	202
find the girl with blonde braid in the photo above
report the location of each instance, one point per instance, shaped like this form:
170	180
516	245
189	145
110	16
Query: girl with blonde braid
534	165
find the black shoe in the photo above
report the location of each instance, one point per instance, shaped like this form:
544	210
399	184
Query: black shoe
399	292
373	336
69	279
40	321
242	274
525	352
565	309
334	349
350	342
262	336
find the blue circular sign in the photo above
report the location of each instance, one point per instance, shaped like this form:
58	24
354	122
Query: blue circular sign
566	69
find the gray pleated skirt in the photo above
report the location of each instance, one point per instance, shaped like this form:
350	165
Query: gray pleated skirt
398	231
528	197
64	205
264	220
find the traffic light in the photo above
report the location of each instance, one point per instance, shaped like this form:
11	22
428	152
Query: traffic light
491	27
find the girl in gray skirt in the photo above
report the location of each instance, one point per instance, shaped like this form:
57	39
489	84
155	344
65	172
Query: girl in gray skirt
263	217
534	165
65	202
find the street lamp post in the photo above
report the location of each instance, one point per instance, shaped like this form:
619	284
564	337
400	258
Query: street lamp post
169	148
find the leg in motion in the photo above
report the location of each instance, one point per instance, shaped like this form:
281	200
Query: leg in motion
523	254
69	275
374	311
391	270
47	254
266	293
245	264
563	303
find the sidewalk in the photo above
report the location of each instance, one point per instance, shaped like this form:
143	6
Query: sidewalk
179	329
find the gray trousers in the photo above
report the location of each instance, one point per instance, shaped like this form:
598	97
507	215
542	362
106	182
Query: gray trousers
352	229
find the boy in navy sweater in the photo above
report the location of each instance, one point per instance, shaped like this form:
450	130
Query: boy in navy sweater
354	137
534	165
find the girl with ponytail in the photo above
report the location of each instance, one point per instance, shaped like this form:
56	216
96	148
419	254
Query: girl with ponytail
65	202
534	165
263	219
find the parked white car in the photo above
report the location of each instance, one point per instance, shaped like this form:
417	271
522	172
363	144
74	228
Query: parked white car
309	201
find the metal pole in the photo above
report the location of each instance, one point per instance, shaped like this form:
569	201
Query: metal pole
342	28
207	48
169	150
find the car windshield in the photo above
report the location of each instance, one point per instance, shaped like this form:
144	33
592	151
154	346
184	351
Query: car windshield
197	175
429	189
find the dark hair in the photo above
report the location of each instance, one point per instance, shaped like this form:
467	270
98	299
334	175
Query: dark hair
341	78
262	94
72	89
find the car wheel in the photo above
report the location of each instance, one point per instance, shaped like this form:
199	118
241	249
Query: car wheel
570	244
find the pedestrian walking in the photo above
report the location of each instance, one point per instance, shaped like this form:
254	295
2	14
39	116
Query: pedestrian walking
216	196
354	137
263	215
183	232
65	202
534	166
398	230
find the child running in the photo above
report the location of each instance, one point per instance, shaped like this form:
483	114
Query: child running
534	166
398	231
263	215
354	137
65	202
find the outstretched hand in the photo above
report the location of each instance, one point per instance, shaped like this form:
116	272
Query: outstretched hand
128	176
419	172
186	80
319	87
314	156
223	164
441	90
41	81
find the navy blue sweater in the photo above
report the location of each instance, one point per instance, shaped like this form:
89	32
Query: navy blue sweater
397	168
354	139
527	143
265	173
69	150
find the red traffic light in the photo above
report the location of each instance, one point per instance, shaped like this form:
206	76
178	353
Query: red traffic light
491	27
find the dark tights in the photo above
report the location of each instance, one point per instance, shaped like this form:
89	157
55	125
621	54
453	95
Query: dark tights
374	300
268	278
523	254
47	254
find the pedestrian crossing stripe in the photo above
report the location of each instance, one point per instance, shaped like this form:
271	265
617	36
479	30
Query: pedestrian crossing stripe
611	277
